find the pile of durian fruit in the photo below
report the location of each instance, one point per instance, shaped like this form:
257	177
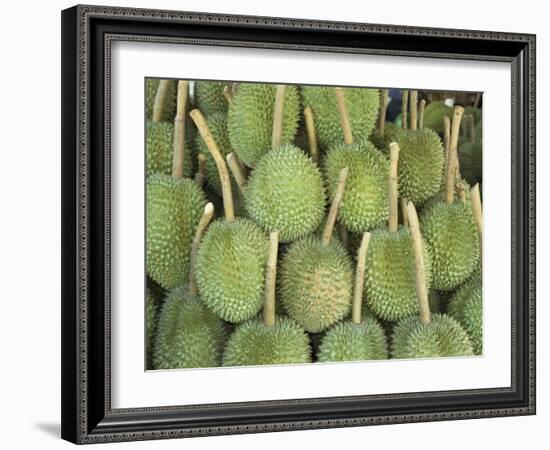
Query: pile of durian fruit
294	224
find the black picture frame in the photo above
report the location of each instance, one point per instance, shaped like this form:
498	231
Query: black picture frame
87	33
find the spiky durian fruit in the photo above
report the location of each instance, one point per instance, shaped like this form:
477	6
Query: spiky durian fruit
433	115
362	106
470	157
254	343
349	341
285	192
421	160
188	335
209	97
443	336
230	269
316	283
174	207
390	135
250	120
169	109
151	317
390	289
365	204
159	138
451	235
466	306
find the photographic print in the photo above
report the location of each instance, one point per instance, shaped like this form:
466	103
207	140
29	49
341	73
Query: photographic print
298	224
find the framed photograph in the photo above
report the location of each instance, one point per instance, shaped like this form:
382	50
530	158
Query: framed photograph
281	224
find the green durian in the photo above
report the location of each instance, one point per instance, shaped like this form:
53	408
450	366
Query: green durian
169	109
466	306
362	106
451	236
390	135
433	116
174	207
250	120
209	97
160	148
285	192
470	157
151	318
442	337
189	335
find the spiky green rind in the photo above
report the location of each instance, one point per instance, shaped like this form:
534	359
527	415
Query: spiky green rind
442	337
362	107
151	316
365	201
160	149
466	306
174	208
254	343
169	111
189	335
230	269
390	135
433	116
451	235
316	283
348	341
421	159
209	97
250	120
469	155
285	192
390	274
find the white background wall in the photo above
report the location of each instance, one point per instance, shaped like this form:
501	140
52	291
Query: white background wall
30	223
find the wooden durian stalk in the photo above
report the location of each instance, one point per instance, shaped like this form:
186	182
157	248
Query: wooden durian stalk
270	279
160	100
311	136
393	193
201	227
421	108
179	130
344	116
360	279
200	175
478	213
206	135
382	111
237	170
446	144
452	162
228	94
421	288
334	207
413	105
278	115
404	105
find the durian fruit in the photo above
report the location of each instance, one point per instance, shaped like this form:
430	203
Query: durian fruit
275	340
427	336
151	318
470	153
433	116
362	106
209	97
466	307
390	285
251	116
449	228
316	276
358	340
285	191
174	206
231	259
189	334
160	99
421	159
364	205
159	144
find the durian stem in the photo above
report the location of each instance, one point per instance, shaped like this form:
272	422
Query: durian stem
201	170
360	279
278	115
421	288
393	193
201	227
179	130
421	108
472	121
382	111
404	202
334	207
270	278
344	116
237	171
404	106
311	136
446	142
208	139
413	105
478	212
452	162
228	94
160	100
460	190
